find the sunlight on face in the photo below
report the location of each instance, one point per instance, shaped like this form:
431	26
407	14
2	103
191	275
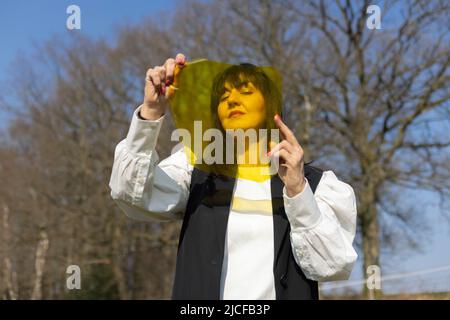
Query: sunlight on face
242	107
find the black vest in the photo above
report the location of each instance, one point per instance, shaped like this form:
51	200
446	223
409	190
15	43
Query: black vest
202	240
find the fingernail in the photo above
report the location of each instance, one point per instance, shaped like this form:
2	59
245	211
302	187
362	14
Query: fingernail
277	116
167	82
163	90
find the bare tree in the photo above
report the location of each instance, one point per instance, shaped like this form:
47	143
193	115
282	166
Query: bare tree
8	274
383	95
74	108
372	105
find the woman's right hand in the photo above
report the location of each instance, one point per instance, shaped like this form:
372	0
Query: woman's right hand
156	92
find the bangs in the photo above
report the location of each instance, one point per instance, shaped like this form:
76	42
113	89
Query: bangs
239	75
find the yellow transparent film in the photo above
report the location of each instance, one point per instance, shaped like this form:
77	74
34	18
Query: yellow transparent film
195	112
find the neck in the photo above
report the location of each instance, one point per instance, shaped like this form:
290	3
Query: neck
252	164
253	155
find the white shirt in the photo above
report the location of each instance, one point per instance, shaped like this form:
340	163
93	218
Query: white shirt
247	268
322	224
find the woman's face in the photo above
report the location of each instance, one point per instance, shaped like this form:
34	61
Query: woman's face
242	107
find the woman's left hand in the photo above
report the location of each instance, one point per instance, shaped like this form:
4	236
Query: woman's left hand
290	153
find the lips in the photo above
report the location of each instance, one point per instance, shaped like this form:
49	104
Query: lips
235	113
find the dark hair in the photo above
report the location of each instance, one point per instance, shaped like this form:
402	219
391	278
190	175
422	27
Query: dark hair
237	75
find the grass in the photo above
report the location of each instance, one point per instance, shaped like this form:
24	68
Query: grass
401	296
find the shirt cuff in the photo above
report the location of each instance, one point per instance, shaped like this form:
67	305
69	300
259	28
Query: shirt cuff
302	209
143	134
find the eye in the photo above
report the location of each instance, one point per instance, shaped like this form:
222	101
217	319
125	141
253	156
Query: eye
223	98
247	92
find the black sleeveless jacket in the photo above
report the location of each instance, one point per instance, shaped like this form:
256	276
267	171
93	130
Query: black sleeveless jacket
202	240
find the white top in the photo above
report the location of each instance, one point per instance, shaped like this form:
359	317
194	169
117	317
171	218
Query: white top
247	268
322	224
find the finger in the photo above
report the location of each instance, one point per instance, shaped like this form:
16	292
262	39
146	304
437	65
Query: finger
285	131
180	59
283	155
162	78
180	62
156	76
153	76
149	74
169	65
150	89
154	80
162	74
282	145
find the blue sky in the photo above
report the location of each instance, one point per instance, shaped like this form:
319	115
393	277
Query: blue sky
24	22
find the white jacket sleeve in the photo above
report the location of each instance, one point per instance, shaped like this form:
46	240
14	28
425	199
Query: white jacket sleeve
323	228
141	188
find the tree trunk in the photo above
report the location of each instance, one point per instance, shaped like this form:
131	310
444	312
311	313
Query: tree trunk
10	276
41	252
370	245
117	258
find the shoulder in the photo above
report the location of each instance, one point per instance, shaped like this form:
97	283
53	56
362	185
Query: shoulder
325	182
332	188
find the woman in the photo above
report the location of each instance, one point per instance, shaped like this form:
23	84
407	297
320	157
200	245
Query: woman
247	236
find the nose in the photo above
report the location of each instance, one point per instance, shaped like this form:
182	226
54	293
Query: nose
234	99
